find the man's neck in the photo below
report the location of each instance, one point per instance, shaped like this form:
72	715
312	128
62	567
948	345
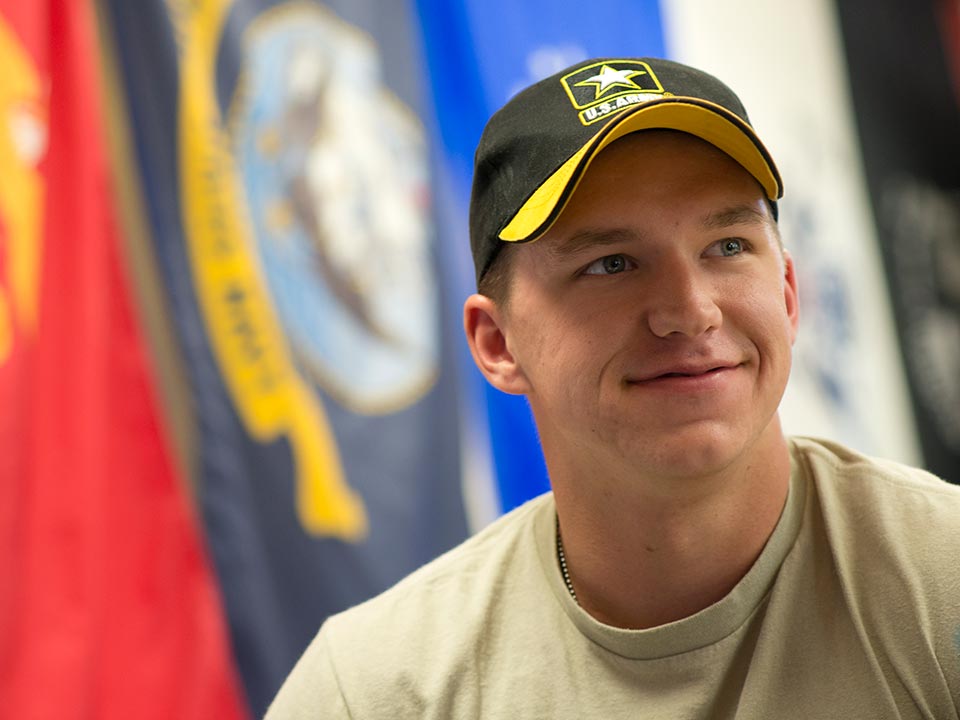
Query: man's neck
639	559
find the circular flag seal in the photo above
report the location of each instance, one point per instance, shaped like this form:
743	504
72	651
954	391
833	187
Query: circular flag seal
334	168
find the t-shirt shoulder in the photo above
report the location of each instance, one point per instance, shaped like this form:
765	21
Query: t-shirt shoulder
856	468
436	617
891	533
875	509
484	555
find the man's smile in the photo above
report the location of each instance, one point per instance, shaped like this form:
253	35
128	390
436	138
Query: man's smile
686	377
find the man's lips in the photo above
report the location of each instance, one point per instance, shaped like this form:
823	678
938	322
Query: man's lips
682	374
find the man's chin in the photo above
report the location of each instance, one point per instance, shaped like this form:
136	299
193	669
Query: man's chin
694	451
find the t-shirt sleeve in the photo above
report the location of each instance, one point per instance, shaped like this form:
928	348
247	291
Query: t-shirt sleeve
312	690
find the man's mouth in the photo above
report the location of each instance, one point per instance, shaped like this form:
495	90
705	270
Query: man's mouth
704	372
688	374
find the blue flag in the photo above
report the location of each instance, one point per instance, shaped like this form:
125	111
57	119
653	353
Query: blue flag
479	53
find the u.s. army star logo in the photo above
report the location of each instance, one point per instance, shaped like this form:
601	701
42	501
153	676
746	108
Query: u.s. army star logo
605	87
609	78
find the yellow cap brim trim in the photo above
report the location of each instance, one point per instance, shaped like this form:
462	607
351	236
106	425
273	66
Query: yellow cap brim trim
705	120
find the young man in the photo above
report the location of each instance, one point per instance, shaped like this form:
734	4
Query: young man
691	561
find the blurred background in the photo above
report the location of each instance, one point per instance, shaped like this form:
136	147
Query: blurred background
234	393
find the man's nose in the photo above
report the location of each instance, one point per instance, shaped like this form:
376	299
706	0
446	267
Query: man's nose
683	302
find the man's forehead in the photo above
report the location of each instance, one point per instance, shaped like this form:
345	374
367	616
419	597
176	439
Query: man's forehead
559	243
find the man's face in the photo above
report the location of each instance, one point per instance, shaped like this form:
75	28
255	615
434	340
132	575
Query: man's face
653	324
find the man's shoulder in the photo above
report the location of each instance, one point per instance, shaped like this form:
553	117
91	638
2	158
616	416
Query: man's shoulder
887	533
404	650
879	514
880	500
839	469
449	590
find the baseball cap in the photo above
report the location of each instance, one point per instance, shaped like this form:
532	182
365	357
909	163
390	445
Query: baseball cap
536	148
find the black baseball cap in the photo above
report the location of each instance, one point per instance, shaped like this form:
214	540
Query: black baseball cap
536	148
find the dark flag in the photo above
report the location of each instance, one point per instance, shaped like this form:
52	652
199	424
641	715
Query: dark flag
902	57
283	160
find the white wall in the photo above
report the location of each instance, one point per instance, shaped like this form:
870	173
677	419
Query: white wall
785	60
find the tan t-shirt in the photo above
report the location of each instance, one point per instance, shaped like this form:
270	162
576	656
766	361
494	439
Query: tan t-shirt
851	611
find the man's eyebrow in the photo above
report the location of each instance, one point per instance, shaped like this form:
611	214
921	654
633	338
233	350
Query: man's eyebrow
737	215
588	238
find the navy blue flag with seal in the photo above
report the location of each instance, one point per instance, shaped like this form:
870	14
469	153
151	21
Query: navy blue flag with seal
282	158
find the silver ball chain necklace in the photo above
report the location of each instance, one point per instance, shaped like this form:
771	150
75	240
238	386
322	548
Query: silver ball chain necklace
562	559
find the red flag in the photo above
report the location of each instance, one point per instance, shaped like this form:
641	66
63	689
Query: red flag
108	606
949	17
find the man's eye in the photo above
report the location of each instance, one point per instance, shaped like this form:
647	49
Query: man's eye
728	247
608	265
732	247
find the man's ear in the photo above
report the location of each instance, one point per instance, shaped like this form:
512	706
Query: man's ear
791	295
483	323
